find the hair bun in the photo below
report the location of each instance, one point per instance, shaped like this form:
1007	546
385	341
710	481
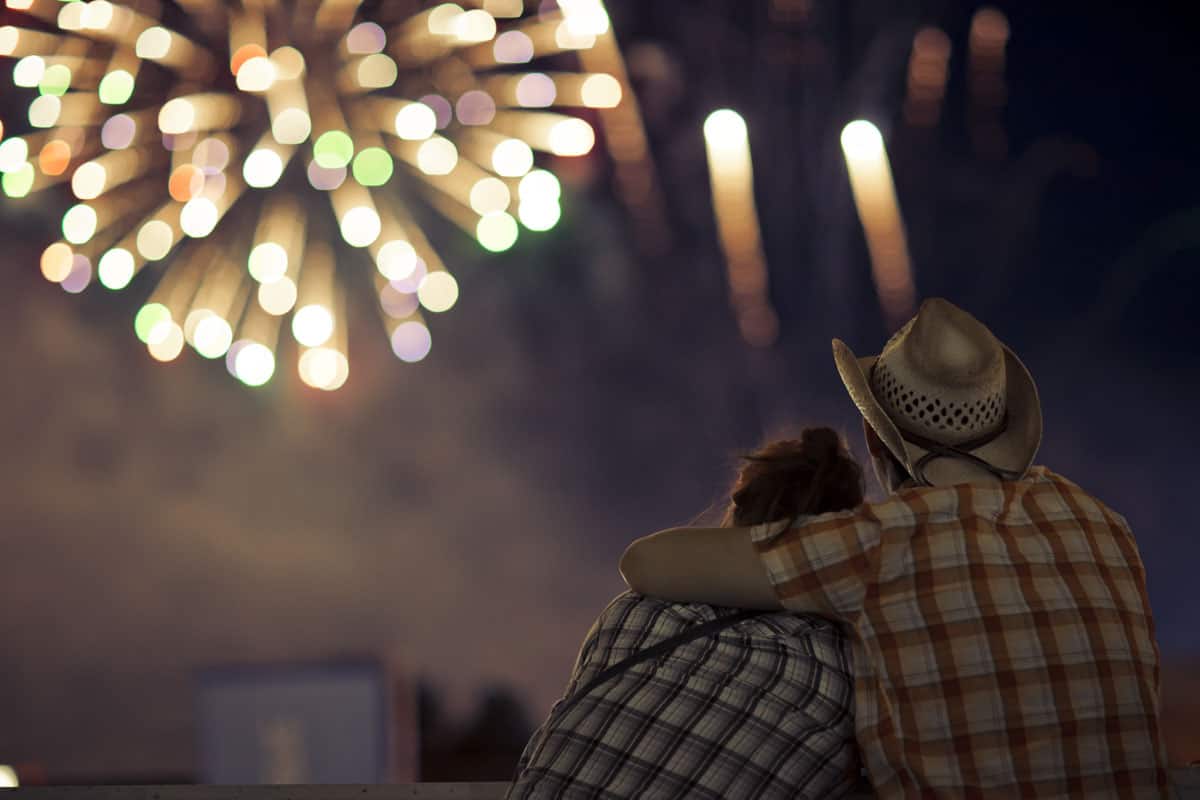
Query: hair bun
821	445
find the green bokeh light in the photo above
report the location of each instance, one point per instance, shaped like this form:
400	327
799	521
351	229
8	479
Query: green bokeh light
116	88
333	149
56	80
18	182
147	317
372	166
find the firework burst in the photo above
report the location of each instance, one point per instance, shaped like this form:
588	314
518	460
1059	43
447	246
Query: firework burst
198	137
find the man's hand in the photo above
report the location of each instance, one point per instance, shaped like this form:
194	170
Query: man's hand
699	565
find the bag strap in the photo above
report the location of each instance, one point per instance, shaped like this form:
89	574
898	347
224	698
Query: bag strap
665	646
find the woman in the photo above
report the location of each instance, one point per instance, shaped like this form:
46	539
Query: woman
760	707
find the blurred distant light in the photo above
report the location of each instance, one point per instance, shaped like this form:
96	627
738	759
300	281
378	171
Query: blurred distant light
437	156
861	140
153	43
79	223
512	158
116	268
56	262
80	275
411	341
488	195
438	291
213	336
191	323
244	55
513	47
412	280
45	111
291	126
13	153
376	71
725	128
70	16
568	39
256	75
539	215
312	325
55	157
360	226
28	71
155	239
333	150
177	116
571	137
288	62
254	364
475	26
475	107
442	110
88	181
211	155
365	38
186	181
601	91
441	19
148	317
262	168
396	259
56	80
415	121
496	231
179	141
278	297
397	304
324	368
585	17
167	344
539	185
116	88
8	775
536	90
17	182
268	262
117	132
325	179
372	166
97	15
199	217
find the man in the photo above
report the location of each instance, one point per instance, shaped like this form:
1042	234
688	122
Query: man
1002	637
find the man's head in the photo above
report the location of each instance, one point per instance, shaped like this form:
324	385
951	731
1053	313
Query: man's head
946	395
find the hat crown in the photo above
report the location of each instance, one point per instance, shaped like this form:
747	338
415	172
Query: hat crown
942	376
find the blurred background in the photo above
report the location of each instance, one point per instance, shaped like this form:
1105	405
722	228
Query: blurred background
435	538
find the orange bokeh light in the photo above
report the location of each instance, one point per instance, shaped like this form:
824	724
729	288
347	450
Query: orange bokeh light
244	54
185	183
55	157
56	262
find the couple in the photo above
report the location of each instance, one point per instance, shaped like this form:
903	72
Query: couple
982	632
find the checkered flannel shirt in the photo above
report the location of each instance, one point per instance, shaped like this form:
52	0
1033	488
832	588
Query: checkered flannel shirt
1003	641
759	709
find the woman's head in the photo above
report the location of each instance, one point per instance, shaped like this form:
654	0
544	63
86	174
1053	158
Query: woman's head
790	477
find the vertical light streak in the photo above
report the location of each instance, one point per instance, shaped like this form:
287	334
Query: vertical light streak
875	198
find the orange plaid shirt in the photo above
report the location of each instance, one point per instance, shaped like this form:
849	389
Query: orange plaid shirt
1003	644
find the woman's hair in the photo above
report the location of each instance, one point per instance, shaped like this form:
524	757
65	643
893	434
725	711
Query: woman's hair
790	477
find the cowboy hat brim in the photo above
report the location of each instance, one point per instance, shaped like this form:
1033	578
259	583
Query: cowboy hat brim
1014	449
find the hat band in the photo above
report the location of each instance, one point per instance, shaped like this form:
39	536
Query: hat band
939	450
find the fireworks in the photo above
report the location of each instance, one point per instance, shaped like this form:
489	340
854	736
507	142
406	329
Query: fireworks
198	138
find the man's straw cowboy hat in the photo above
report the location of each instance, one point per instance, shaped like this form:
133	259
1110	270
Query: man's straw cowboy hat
945	387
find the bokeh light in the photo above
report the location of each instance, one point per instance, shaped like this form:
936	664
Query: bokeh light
394	103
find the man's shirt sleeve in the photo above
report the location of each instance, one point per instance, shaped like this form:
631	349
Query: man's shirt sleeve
821	564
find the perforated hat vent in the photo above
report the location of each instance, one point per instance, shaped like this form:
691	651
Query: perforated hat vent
939	414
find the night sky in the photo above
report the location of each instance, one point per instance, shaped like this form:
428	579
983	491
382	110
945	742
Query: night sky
466	513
